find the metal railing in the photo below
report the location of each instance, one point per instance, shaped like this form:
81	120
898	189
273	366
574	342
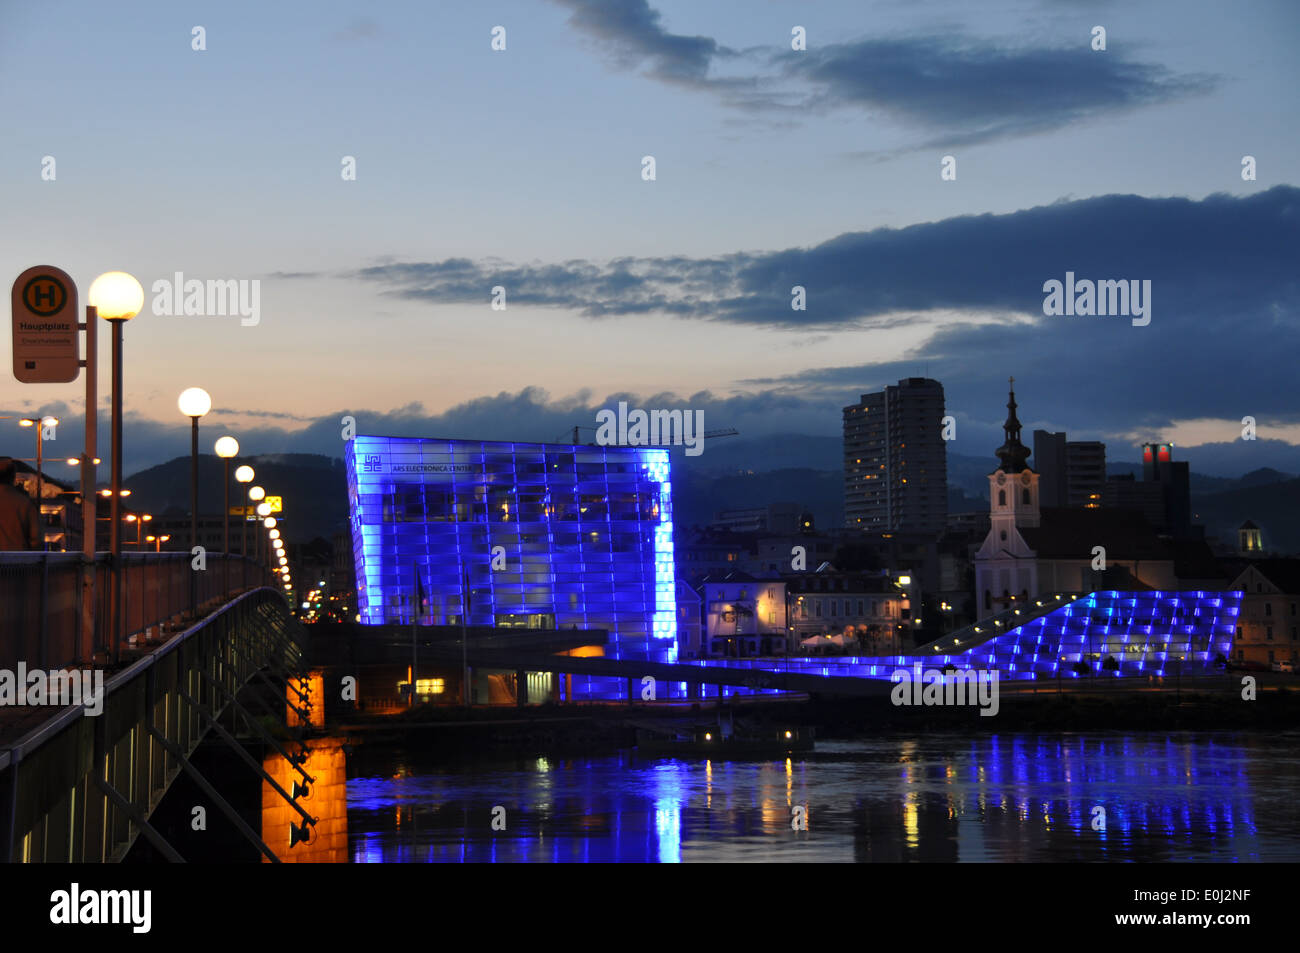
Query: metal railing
42	598
80	787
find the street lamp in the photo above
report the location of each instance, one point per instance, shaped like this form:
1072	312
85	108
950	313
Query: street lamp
264	511
39	425
194	402
139	522
117	298
243	475
226	447
256	494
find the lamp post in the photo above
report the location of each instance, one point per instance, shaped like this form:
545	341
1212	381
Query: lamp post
194	402
243	475
255	495
139	522
264	511
117	298
39	424
226	447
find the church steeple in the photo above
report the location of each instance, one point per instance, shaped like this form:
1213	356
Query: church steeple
1013	454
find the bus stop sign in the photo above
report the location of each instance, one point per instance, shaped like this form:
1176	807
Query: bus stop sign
45	323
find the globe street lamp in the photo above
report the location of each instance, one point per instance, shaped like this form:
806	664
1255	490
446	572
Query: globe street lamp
39	425
243	475
226	447
264	511
194	402
117	298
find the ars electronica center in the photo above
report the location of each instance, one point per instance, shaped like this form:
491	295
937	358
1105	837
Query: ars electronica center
557	536
530	535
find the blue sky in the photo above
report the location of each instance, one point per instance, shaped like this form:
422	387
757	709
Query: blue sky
774	167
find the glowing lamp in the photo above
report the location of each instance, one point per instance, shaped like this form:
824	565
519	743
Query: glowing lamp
116	295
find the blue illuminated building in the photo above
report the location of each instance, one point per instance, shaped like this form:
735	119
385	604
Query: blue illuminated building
1104	634
538	535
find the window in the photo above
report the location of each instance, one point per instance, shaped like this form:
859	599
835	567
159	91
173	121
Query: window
1002	497
1268	633
1024	497
1238	632
1268	608
835	607
860	607
1004	536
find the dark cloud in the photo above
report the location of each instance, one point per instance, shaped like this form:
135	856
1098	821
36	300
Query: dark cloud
1224	295
964	91
959	90
631	33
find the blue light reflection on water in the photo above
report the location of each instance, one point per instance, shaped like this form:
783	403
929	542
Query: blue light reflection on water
1014	797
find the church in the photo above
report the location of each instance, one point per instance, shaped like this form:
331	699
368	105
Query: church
1032	551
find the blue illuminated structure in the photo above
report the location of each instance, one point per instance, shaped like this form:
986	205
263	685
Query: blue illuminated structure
1103	634
543	535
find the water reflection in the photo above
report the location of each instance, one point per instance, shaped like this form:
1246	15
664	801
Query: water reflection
1019	797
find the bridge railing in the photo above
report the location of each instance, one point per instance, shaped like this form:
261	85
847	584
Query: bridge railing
43	597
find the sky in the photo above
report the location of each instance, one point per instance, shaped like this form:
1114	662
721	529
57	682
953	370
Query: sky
523	169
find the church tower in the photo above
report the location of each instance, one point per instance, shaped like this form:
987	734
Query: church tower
1006	567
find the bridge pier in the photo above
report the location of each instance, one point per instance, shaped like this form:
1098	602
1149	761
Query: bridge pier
521	687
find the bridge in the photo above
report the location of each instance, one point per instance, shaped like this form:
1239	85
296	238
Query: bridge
108	711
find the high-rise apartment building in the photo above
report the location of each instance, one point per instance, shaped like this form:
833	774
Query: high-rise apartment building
1070	473
895	459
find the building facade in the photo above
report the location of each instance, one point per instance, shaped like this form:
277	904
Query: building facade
744	616
1268	629
1070	473
515	534
874	611
895	459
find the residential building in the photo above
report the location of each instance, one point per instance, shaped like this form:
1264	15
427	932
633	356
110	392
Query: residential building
1268	629
895	459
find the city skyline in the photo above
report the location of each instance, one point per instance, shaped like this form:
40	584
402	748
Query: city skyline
772	171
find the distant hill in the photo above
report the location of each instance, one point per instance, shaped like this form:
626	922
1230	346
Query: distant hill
314	488
1275	508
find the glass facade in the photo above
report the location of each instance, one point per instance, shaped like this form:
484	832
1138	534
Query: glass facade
535	534
1105	634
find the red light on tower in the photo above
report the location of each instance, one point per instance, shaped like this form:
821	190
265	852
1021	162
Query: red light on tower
1146	453
1163	454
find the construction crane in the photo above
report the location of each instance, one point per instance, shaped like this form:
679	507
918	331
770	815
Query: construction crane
708	434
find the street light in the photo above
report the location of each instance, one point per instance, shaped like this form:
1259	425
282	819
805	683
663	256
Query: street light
40	425
243	475
226	447
139	522
117	298
194	402
264	511
157	541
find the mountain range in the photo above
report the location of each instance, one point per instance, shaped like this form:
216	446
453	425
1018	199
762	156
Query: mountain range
731	474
